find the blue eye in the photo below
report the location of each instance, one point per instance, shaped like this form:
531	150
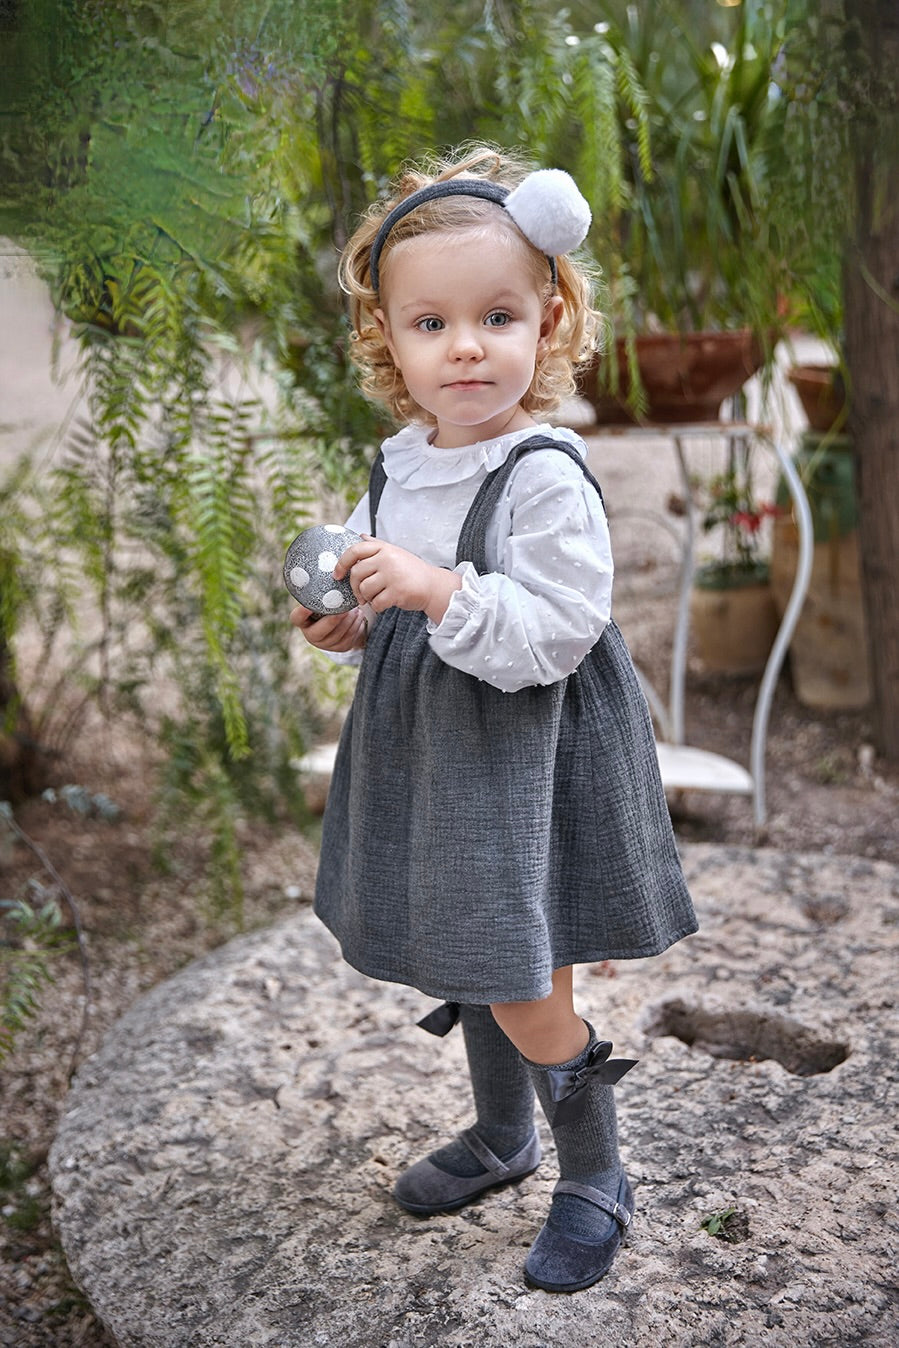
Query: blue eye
498	319
430	324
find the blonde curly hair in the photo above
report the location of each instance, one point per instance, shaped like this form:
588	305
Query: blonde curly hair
576	336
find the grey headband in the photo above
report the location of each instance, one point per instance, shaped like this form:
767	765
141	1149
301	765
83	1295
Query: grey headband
451	187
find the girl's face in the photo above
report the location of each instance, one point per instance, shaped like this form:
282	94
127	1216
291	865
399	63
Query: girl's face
465	322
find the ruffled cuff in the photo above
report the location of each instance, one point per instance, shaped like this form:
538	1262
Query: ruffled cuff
463	603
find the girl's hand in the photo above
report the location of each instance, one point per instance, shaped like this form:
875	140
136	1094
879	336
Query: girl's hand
386	576
338	632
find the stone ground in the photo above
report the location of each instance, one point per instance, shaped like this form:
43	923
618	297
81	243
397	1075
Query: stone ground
223	1166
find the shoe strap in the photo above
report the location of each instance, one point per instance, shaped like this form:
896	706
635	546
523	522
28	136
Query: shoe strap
483	1153
597	1198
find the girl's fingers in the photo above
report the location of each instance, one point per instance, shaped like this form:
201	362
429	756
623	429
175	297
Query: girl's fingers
303	617
342	632
366	579
347	560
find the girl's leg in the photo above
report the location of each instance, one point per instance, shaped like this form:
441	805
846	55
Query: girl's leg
583	1231
548	1031
501	1146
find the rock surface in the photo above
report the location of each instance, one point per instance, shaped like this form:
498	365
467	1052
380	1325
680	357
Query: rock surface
222	1173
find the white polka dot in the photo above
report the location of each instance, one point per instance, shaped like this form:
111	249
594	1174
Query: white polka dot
333	599
333	528
327	561
299	577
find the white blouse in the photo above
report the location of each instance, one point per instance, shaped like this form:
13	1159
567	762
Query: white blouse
548	594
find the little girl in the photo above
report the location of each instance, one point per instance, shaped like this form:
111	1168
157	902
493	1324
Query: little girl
496	814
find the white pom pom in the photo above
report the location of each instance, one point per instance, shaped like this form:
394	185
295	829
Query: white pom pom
550	211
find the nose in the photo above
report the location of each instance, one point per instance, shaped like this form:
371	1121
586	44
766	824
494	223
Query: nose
466	344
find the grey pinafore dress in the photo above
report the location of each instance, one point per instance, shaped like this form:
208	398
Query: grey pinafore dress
476	840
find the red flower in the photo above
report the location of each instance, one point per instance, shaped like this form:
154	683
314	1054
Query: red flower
751	521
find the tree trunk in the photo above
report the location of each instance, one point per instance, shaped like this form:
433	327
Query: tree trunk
871	308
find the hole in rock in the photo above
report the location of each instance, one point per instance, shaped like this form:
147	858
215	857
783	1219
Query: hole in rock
746	1036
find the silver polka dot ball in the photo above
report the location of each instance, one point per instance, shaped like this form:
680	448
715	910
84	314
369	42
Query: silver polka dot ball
309	566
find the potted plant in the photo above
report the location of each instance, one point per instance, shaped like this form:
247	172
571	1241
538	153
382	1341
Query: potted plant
694	283
821	390
732	611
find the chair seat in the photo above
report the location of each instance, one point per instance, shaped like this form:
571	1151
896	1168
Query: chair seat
687	769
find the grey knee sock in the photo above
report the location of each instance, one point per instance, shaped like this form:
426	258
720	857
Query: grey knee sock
587	1149
502	1090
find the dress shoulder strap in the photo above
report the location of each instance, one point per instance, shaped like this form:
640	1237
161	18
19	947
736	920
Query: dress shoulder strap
377	479
471	545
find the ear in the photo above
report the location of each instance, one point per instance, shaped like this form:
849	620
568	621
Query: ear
383	323
552	315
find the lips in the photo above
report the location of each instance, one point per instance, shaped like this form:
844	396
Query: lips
465	384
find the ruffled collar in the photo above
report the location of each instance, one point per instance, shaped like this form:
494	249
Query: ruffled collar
411	461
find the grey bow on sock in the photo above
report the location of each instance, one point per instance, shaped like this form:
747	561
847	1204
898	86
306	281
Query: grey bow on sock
569	1085
441	1020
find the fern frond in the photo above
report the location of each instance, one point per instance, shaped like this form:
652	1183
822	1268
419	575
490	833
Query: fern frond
635	99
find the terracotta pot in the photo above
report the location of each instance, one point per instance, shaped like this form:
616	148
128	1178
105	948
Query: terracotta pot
733	629
821	392
687	376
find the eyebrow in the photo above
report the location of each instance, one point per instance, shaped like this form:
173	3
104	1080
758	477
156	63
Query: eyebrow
507	297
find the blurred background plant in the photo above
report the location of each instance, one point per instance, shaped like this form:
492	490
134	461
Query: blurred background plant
692	236
31	936
728	503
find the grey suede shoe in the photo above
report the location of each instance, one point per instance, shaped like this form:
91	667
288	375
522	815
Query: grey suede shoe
425	1189
559	1262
